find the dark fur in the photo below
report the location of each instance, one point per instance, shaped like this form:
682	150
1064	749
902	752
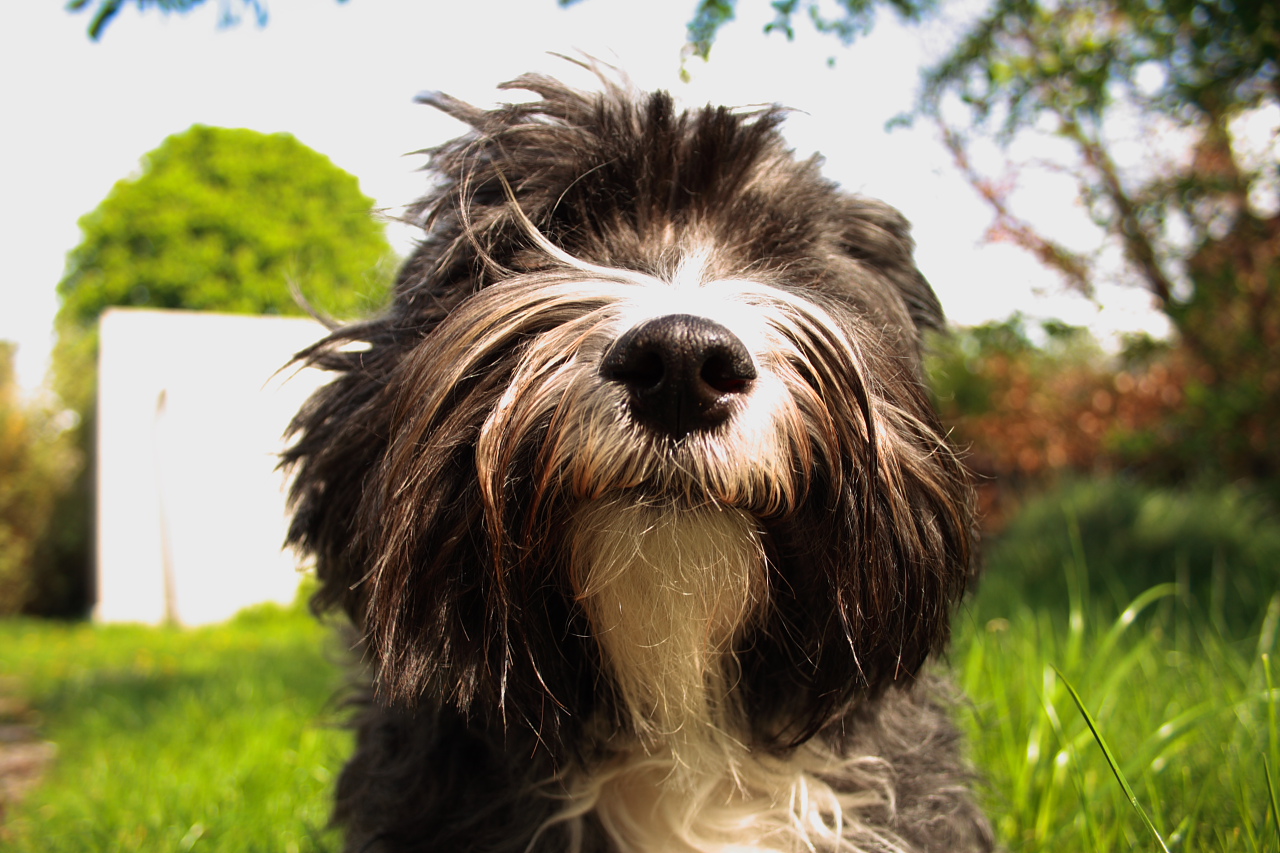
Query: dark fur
488	681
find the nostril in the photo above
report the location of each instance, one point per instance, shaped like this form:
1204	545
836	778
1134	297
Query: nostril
727	374
636	368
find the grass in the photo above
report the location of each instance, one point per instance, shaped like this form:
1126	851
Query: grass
221	738
1155	728
175	740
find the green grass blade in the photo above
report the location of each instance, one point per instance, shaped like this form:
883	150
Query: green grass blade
1272	743
1273	728
1129	615
1111	760
1077	572
1274	803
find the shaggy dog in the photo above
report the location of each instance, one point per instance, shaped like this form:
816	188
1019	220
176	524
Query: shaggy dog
637	502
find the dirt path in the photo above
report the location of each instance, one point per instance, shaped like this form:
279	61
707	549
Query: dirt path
23	755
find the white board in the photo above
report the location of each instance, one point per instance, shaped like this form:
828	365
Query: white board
191	516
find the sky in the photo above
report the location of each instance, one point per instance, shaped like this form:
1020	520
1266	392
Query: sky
78	116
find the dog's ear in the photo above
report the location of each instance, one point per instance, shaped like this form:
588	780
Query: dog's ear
338	437
341	434
879	236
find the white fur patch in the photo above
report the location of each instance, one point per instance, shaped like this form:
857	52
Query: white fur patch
667	590
648	802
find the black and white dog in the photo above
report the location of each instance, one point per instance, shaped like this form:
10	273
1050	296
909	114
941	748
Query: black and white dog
638	504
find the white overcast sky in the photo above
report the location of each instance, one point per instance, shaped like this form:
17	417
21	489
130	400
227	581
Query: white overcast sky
78	115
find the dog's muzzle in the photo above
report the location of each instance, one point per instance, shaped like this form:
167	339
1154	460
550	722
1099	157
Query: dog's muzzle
682	373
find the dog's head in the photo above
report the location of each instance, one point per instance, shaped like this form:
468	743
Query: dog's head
643	435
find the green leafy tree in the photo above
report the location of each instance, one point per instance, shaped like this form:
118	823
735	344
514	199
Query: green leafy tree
220	220
1143	105
223	219
216	220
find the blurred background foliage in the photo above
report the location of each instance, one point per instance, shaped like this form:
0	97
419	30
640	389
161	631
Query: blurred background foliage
1031	411
103	12
37	463
1123	462
1219	545
1162	117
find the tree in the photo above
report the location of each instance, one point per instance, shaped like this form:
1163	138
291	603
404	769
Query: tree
1191	215
217	220
221	220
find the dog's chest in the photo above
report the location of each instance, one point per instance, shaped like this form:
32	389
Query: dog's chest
717	798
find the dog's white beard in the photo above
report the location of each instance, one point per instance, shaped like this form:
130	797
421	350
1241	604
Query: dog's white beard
668	591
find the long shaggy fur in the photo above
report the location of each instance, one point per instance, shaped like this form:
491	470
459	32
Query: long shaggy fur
589	633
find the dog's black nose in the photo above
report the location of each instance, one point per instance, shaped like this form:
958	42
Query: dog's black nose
682	372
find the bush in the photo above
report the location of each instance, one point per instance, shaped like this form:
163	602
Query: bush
36	463
1024	411
1221	545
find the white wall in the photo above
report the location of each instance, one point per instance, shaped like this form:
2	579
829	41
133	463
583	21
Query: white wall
191	511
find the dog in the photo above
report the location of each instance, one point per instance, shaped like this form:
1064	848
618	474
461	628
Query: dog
637	502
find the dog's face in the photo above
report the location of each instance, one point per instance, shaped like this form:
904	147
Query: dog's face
643	438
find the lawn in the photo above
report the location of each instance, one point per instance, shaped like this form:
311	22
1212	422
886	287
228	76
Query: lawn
224	738
220	738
